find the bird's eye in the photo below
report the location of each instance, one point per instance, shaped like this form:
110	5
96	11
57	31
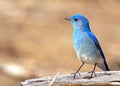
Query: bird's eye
75	19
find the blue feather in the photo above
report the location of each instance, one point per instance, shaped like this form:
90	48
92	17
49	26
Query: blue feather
94	39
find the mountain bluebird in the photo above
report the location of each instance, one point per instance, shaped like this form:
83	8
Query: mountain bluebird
86	45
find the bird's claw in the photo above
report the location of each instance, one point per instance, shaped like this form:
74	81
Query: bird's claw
76	74
92	72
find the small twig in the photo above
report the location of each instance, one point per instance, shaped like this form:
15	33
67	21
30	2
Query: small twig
54	78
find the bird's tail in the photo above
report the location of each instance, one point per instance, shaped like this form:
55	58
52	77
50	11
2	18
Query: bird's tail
103	66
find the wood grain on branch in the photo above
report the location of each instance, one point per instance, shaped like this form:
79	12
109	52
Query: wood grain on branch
110	78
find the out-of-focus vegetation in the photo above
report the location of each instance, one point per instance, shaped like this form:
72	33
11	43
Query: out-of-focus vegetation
35	40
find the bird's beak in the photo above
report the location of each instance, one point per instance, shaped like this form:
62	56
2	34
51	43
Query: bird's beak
67	19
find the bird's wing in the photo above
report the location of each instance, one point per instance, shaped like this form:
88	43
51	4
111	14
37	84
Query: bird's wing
94	39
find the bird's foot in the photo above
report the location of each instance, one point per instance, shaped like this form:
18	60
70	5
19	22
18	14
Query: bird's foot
76	73
92	72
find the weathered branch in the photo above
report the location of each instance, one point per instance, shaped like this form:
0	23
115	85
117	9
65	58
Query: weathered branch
110	78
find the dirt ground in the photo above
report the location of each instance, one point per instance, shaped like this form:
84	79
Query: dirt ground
35	40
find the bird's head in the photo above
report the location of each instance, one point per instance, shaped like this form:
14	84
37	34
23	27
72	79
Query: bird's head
78	21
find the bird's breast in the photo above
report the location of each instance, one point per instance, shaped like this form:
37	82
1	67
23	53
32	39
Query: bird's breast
85	48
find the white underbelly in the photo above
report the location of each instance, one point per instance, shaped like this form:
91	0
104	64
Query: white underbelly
89	59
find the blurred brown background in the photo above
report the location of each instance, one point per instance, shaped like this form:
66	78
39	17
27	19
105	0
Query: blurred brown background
35	40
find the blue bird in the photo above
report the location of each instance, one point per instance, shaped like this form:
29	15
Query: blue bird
86	45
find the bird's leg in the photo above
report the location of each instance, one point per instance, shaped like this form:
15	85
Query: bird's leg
93	72
78	70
